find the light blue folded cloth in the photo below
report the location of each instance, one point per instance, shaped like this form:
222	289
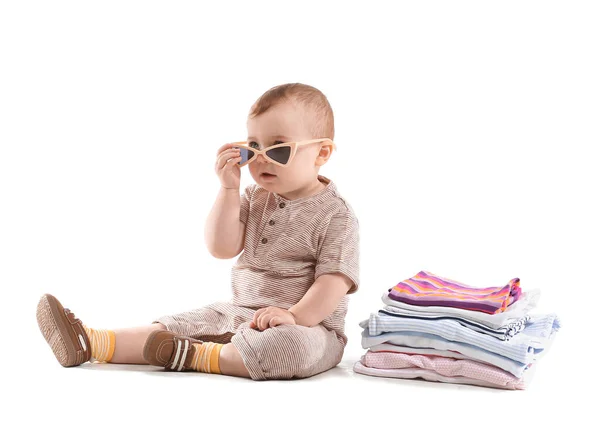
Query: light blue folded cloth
523	347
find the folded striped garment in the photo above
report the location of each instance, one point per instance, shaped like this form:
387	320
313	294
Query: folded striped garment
526	303
431	375
503	333
398	341
427	289
446	334
442	366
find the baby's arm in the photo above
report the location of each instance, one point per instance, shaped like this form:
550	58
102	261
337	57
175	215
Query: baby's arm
336	275
321	299
224	232
336	270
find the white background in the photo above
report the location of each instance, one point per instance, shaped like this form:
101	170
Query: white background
468	138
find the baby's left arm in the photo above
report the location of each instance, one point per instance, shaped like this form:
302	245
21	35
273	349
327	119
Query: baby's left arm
336	274
321	299
336	271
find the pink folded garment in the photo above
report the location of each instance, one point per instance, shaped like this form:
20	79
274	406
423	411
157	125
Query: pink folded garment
414	373
428	289
445	367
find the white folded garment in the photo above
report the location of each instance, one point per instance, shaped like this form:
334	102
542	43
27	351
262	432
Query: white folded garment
504	333
513	312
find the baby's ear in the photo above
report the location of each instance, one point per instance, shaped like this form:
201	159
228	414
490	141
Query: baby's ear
324	154
330	146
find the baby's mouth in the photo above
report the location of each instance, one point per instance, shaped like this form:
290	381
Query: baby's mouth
268	174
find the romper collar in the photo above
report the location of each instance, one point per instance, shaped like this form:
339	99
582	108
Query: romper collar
321	196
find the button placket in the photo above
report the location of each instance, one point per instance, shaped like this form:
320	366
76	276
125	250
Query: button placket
265	239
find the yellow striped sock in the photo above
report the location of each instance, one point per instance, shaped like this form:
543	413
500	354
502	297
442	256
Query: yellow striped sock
206	358
103	343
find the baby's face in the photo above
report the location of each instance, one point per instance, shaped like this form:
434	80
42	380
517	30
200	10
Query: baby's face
285	122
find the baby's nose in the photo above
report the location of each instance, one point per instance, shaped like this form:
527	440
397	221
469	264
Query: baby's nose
261	158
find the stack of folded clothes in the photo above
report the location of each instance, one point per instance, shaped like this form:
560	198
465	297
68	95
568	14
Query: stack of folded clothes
442	330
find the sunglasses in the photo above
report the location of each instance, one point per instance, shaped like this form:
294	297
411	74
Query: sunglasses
280	154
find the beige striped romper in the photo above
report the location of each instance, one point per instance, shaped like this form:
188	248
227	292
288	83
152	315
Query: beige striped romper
289	243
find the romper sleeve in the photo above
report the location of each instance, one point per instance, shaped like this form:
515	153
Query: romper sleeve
339	251
245	198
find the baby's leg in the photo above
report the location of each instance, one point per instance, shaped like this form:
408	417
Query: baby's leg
231	363
288	351
129	343
73	343
214	323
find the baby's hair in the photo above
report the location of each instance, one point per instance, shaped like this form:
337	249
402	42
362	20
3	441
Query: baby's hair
313	101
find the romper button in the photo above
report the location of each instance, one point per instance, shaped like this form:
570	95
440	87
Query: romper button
264	240
271	222
282	204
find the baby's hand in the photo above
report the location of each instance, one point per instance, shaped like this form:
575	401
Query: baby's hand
227	167
270	317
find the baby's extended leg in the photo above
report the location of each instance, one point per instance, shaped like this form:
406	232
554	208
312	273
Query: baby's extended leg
73	343
200	340
129	343
177	352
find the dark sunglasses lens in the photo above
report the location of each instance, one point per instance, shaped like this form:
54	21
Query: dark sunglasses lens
245	154
281	154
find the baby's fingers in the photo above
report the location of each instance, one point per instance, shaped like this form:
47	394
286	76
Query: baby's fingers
263	321
230	157
254	321
224	148
275	321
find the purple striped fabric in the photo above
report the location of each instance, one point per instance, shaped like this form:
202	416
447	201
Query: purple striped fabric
427	289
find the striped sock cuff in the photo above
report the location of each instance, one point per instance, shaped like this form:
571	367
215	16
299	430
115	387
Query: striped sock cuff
206	358
103	343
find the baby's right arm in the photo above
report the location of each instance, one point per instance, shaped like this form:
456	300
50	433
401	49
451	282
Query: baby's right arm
225	233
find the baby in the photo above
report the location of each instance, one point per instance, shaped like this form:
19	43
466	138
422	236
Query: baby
299	240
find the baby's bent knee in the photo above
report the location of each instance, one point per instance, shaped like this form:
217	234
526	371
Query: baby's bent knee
159	326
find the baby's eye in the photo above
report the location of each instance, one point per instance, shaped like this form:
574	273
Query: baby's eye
277	142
